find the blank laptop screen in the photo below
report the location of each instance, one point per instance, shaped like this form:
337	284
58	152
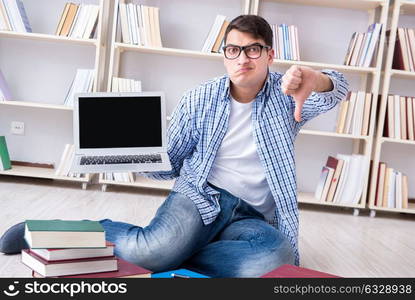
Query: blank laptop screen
120	122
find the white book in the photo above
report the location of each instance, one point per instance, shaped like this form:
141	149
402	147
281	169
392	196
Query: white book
92	20
281	49
58	170
157	30
391	114
398	190
78	20
140	24
137	24
397	116
391	191
146	25
358	115
84	21
137	86
14	15
4	18
356	50
350	112
351	187
343	176
321	182
114	85
122	13
372	44
359	178
213	33
127	85
365	45
133	22
410	118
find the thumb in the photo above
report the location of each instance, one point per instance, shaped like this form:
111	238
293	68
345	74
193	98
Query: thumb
298	109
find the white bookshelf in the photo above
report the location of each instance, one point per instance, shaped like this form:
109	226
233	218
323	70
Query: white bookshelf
399	9
43	17
366	79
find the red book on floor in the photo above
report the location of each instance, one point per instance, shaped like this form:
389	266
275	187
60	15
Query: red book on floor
125	270
290	271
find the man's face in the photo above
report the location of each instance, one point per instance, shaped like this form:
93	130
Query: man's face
243	71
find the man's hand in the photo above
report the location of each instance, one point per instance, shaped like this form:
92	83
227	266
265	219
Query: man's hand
300	82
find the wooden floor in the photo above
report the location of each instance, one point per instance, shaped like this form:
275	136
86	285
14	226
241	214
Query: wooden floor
331	239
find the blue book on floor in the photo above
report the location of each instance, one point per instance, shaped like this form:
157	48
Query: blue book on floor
179	273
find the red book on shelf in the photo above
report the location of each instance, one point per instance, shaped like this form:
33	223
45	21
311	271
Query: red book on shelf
290	271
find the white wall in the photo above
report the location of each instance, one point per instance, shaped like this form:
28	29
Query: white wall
42	71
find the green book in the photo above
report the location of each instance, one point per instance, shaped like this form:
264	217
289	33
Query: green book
64	234
4	155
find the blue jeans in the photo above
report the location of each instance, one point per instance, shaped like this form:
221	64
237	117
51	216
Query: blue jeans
239	243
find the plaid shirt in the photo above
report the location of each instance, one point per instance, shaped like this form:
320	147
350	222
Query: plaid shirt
200	122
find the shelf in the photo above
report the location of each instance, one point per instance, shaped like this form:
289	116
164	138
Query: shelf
37	172
308	198
402	74
349	4
143	182
397	141
168	51
333	134
409	210
219	56
47	37
408	7
36	105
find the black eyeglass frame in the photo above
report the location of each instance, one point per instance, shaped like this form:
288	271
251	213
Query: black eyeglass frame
242	48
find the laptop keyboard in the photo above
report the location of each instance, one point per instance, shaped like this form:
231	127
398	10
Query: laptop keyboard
120	159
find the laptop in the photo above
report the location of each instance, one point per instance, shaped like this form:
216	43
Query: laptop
120	132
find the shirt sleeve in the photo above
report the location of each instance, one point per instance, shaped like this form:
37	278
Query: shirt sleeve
180	142
319	103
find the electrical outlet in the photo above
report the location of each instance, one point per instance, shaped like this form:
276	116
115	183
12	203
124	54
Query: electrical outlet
17	128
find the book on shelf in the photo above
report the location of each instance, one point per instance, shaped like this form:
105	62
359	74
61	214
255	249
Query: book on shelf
47	268
391	188
404	52
341	179
291	271
125	270
83	82
5	163
285	41
363	46
214	33
13	16
66	161
125	85
355	113
64	234
139	24
400	118
78	21
53	254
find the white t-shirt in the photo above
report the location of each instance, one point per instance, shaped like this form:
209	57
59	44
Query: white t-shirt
237	167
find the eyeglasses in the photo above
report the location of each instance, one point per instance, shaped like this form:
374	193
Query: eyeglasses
253	51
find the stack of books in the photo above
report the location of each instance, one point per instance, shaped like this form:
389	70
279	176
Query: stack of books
341	179
404	54
125	85
400	118
78	21
82	83
119	177
73	249
140	24
5	94
391	188
66	161
362	47
13	16
354	113
214	41
5	163
285	41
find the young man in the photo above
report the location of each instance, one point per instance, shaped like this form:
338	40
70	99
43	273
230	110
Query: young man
231	145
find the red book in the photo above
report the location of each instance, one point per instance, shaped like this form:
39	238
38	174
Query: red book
290	271
125	270
68	267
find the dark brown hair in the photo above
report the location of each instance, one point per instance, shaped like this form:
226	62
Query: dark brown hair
255	25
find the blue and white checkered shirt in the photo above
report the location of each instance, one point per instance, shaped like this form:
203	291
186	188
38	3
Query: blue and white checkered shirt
200	122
